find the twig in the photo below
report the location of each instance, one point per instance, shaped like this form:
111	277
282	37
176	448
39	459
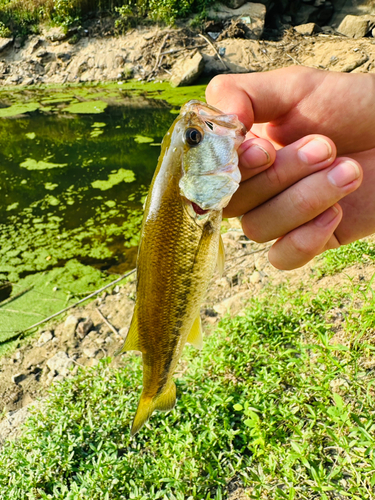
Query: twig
293	59
174	51
107	322
19	333
250	253
19	294
159	53
217	53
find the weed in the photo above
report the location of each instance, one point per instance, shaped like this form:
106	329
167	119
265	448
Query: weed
334	261
270	403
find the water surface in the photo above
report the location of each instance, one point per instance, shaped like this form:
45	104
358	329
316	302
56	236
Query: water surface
75	167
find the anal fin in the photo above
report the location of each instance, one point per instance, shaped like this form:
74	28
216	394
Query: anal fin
132	339
195	336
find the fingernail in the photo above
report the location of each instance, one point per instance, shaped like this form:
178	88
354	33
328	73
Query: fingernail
326	217
344	173
256	156
315	151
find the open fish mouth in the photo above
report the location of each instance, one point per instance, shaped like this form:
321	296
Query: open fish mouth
210	173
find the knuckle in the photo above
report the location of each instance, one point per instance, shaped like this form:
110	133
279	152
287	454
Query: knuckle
305	200
276	176
302	246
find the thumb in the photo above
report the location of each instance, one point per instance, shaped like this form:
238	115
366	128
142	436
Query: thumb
262	97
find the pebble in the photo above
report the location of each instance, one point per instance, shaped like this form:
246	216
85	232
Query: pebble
44	338
84	327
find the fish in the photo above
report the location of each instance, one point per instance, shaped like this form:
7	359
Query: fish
180	244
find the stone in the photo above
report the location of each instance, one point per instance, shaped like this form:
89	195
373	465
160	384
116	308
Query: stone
60	363
354	26
18	377
5	43
64	56
252	15
44	338
90	352
333	56
18	42
186	71
56	34
84	327
307	29
256	277
70	325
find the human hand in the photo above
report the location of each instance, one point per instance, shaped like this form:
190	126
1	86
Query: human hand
292	199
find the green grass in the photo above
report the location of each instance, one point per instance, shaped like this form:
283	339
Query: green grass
271	403
334	261
24	16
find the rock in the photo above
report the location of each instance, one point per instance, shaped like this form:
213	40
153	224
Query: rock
5	43
186	71
10	427
56	34
319	14
90	352
18	377
252	15
70	326
64	56
60	363
256	277
307	29
18	42
354	26
28	81
84	327
44	338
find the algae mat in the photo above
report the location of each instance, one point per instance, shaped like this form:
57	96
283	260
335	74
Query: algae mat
75	166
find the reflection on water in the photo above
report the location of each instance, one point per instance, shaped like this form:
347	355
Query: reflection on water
73	185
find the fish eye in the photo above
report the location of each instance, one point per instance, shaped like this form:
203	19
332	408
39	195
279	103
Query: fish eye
193	136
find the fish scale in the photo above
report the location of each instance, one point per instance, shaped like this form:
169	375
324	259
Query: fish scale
179	247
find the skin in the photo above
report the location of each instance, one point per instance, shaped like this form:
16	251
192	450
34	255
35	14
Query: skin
287	191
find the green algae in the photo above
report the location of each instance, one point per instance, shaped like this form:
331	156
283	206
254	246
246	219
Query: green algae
19	109
121	175
87	107
32	164
142	139
41	233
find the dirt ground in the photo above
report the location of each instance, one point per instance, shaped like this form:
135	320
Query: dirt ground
151	53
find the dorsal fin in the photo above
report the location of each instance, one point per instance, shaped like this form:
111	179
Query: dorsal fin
195	336
132	339
221	257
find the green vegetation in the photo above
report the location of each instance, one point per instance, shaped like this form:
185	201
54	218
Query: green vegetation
274	402
358	252
23	16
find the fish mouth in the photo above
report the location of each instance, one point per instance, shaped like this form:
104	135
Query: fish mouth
197	209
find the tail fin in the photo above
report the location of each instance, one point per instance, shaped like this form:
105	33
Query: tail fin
163	402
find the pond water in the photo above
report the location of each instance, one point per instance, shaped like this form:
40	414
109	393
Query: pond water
75	167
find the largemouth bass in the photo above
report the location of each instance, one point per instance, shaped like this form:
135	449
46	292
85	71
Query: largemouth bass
180	243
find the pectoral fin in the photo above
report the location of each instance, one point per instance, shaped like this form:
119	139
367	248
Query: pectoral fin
132	339
221	257
195	336
164	402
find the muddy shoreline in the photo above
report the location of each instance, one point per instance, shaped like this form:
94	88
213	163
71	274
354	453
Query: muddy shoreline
158	53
